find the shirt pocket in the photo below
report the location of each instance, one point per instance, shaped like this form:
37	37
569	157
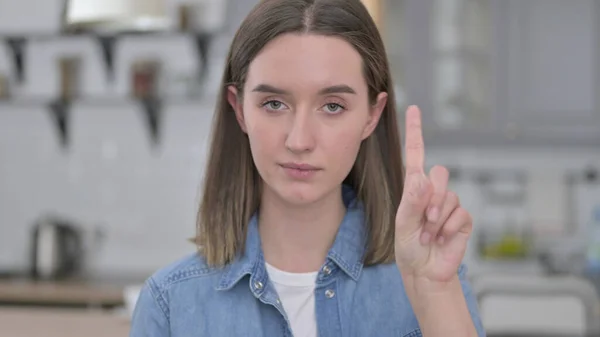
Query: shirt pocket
414	333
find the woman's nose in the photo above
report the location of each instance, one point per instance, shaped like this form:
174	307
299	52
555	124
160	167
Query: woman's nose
301	133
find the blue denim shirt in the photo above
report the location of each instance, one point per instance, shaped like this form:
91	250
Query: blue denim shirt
189	298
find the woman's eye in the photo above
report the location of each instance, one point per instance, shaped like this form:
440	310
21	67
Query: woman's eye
273	105
333	108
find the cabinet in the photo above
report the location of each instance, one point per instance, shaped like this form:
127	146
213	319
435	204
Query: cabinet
499	72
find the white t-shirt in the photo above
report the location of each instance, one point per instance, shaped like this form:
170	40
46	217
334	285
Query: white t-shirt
297	295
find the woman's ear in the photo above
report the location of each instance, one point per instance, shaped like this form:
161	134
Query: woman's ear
234	100
375	112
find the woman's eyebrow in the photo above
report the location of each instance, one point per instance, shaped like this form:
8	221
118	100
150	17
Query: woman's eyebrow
266	88
335	89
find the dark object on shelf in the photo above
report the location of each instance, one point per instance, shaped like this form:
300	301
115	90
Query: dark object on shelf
60	110
17	47
202	46
107	43
153	111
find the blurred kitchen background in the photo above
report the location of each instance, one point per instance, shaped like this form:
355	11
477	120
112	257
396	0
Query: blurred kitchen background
105	112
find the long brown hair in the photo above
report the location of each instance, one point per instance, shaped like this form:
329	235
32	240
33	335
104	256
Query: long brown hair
232	186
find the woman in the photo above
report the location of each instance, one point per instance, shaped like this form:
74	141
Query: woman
309	225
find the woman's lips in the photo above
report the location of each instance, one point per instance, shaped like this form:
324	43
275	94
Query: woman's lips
300	171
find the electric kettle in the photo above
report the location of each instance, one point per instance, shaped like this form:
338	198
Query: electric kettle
56	249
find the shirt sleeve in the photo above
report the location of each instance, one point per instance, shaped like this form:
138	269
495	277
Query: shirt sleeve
151	314
471	299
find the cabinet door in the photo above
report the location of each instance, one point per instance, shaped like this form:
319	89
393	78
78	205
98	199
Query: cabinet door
502	72
451	64
394	31
553	78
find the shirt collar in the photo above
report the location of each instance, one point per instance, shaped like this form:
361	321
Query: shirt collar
346	252
246	263
350	242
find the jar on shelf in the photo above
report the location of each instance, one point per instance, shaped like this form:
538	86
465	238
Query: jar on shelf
69	68
4	89
144	79
187	18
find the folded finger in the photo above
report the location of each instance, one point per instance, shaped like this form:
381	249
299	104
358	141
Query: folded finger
439	179
459	222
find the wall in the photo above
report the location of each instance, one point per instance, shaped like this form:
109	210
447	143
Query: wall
144	199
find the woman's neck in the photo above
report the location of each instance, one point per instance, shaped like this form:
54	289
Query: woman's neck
297	239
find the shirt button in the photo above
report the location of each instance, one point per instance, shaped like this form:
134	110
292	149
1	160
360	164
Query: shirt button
258	285
278	301
329	293
326	270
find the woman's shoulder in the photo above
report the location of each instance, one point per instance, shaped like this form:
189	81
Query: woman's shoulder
189	267
168	292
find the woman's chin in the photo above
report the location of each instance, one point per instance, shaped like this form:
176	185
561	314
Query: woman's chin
299	194
294	193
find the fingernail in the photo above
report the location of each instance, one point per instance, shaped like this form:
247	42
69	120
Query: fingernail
440	240
425	237
433	214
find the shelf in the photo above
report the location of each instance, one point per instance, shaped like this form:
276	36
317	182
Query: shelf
60	110
16	44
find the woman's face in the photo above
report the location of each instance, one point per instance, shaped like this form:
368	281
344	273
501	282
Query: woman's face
306	111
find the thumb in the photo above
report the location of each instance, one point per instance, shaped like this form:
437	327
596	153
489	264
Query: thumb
415	199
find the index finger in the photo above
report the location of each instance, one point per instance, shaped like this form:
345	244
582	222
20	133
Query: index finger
415	147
